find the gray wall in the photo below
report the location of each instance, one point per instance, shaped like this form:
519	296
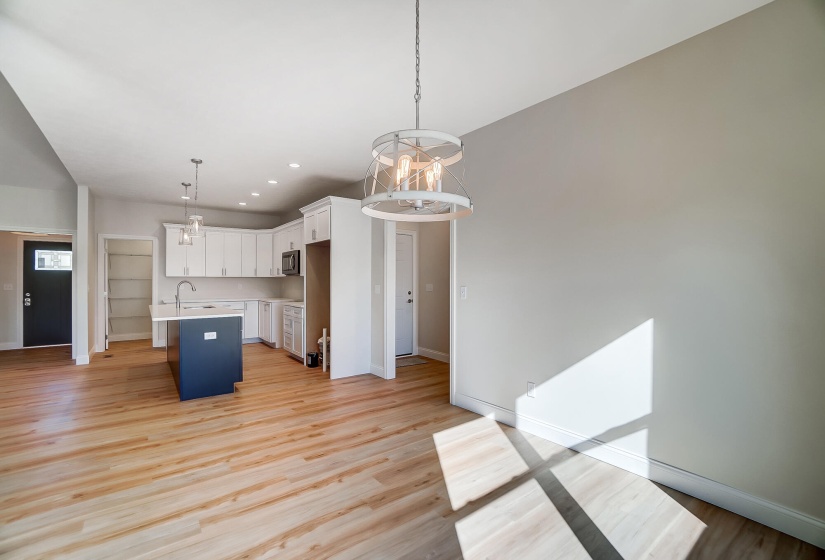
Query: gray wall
661	234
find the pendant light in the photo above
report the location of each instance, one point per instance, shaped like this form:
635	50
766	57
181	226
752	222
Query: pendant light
184	238
195	225
416	175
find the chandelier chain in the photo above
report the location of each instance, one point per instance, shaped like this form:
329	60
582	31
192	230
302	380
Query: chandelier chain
196	187
417	95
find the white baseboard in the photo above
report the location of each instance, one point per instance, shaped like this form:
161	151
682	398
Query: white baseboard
434	354
377	370
161	343
82	360
9	346
129	336
781	518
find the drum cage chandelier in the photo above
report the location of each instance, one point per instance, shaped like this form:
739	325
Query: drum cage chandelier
416	175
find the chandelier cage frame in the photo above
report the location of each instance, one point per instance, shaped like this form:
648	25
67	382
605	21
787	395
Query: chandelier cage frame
427	154
387	198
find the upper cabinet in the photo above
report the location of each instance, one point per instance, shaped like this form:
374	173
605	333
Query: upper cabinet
249	254
317	225
264	251
233	253
184	260
224	255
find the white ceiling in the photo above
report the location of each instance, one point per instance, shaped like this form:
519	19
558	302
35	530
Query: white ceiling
128	91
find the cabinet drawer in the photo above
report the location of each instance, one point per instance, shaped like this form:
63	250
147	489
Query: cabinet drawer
287	325
288	341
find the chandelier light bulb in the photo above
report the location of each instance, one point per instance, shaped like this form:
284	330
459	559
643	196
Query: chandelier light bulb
403	173
430	176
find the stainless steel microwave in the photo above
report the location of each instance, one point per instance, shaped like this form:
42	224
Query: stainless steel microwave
291	263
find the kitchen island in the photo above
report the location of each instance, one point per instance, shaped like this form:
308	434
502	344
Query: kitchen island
203	348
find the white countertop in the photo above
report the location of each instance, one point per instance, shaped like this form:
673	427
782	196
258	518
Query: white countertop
215	299
170	312
295	303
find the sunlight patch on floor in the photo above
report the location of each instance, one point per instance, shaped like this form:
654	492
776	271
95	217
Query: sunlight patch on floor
522	524
476	458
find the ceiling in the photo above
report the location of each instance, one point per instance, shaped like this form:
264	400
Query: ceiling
127	92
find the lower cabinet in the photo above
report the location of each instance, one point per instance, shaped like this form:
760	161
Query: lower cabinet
250	315
293	325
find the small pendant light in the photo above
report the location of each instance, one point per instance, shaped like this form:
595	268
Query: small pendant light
195	225
184	238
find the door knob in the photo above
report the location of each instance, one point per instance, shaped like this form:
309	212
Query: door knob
27	302
409	301
409	293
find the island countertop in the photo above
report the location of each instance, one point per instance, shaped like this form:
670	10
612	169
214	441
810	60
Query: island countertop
170	312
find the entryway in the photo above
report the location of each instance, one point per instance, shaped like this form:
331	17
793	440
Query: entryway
47	293
405	274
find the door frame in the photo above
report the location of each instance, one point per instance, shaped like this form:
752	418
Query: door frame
414	234
102	310
47	236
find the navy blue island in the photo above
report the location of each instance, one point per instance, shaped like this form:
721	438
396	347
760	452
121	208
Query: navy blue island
203	348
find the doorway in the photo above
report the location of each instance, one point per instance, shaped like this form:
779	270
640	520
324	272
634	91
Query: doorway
127	286
47	293
406	307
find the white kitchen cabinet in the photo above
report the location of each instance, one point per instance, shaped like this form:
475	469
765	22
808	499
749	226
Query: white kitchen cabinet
293	331
249	254
278	239
223	254
337	291
270	323
265	321
250	319
264	251
317	225
184	260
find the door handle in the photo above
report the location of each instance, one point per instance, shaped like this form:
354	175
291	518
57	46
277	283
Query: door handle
409	301
27	302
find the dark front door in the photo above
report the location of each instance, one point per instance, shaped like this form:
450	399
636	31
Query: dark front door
47	293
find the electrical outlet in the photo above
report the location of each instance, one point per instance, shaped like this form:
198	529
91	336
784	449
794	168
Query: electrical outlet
240	286
378	289
428	287
463	292
210	335
8	287
531	389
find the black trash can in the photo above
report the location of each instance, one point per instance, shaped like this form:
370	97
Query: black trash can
312	359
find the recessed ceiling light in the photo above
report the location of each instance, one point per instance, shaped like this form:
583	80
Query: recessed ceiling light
185	197
242	203
272	182
295	165
256	194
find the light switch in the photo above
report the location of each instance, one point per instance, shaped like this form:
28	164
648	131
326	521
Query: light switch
378	289
8	287
463	292
428	287
210	335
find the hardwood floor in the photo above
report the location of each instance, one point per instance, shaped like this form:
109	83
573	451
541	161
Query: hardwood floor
104	461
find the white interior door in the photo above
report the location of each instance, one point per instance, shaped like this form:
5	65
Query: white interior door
403	294
106	306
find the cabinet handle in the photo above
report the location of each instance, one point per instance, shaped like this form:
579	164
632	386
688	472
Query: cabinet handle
313	235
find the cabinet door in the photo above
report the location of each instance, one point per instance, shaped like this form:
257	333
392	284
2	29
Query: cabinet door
175	254
214	253
264	251
323	224
196	257
232	247
298	337
265	321
309	227
248	254
250	319
277	251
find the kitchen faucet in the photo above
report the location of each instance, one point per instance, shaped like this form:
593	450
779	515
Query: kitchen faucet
177	295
